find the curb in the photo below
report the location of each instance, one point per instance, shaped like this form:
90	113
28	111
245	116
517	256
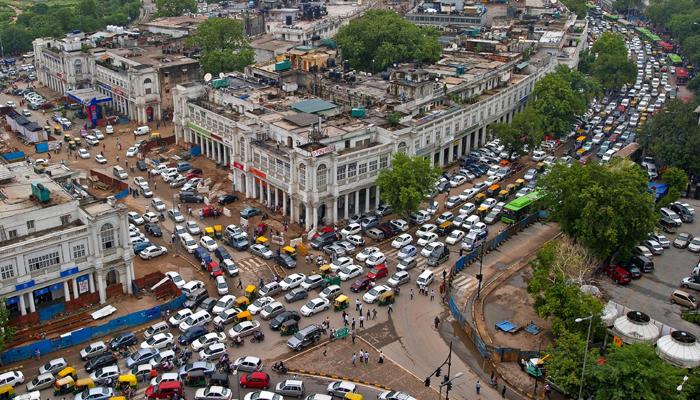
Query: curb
344	378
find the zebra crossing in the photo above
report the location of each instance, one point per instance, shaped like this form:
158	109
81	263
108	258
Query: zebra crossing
258	267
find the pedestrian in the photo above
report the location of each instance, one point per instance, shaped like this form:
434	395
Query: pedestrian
444	274
495	381
437	321
368	314
362	321
37	353
503	392
362	355
374	313
240	283
327	322
357	304
380	360
172	238
432	294
353	336
360	309
353	323
325	350
345	320
492	375
354	359
389	310
411	293
366	357
478	387
547	391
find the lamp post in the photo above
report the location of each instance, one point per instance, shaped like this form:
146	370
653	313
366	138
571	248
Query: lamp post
585	354
679	388
480	276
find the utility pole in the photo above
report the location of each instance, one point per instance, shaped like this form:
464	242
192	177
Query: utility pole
480	276
446	382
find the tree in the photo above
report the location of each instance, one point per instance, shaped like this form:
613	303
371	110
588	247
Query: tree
509	136
15	38
677	181
565	362
223	44
557	103
530	126
174	8
673	137
394	118
381	37
635	372
579	82
607	208
577	7
585	62
611	67
407	182
7	331
625	6
661	11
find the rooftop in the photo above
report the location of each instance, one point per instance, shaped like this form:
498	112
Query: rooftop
177	22
16	194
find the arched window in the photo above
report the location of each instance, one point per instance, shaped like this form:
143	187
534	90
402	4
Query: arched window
147	81
402	147
78	67
321	177
148	89
107	236
302	176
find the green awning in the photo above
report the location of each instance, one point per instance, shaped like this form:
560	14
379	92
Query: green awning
675	58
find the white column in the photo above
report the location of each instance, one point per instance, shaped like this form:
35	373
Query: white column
345	207
32	306
357	202
129	276
269	195
284	203
91	281
75	288
376	193
22	305
315	215
367	199
101	288
335	210
66	291
307	217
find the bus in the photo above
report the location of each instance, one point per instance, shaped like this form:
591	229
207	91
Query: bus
519	208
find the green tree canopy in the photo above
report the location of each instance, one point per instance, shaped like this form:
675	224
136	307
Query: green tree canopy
673	137
612	68
577	7
625	6
579	82
405	184
661	11
608	208
525	129
677	181
585	62
557	104
7	330
381	37
223	44
174	8
566	360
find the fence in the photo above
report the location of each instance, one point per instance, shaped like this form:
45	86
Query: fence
89	333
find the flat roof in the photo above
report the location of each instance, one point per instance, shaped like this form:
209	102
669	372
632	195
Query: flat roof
85	96
313	106
16	194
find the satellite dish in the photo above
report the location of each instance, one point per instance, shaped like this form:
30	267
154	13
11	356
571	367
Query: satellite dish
207	77
221	75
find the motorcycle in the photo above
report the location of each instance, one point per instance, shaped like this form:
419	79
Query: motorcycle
258	336
280	368
238	342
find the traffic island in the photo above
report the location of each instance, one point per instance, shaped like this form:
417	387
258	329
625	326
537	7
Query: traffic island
334	360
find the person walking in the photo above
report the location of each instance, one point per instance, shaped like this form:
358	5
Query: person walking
437	321
503	392
362	355
368	316
380	360
352	335
478	387
547	391
362	321
345	320
354	359
366	357
432	294
357	304
353	323
411	293
374	313
389	310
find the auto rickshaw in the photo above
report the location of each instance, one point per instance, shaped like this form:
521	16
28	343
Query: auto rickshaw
324	269
241	302
341	303
195	379
118	398
386	298
251	292
57	129
218	231
244	316
72	145
127	381
330	279
67	371
155	136
541	166
482	211
289	327
78	141
262	240
290	251
67	137
209	231
353	396
503	194
493	189
510	188
520	182
63	386
84	384
479	198
7	392
219	379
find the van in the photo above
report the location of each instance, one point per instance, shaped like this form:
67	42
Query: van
425	278
643	263
470	222
438	256
188	242
142	130
120	173
684	299
200	318
669	215
376	234
165	390
305	337
154	329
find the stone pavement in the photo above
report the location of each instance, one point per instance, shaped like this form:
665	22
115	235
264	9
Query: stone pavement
336	363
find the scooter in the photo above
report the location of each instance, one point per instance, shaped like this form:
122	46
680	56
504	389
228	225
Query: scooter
257	337
280	368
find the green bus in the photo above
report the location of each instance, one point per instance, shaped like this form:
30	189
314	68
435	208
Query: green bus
519	208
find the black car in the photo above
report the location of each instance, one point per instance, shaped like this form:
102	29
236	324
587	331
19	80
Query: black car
122	340
323	240
100	361
227	199
443	186
188	197
208	304
296	294
286	261
192	334
153	230
277	322
141	165
635	273
222	254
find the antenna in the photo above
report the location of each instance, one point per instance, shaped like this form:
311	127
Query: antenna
221	75
207	77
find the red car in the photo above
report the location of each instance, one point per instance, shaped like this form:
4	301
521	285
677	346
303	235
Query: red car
194	173
377	272
618	274
255	380
214	270
361	284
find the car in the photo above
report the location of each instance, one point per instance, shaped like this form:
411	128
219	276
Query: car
312	282
618	274
430	247
135	218
92	350
261	251
281	318
158	204
272	310
399	224
296	295
213	393
11	103
84	154
206	367
96	393
361	284
292	281
248	364
455	237
314	306
132	151
654	247
285	260
175	215
407	252
393	395
41	382
263	395
100	159
351	229
341	388
398	278
230	267
355	240
402	240
340	262
682	240
369	222
457	180
373	294
349	271
141	356
53	366
255	380
227	199
427	239
249	212
151	217
444	217
224	303
426	229
270	289
192	334
209	338
467	209
378	272
152	252
151	228
660	239
694	245
208	243
158	341
193	228
376	259
365	254
176	278
259	304
179	316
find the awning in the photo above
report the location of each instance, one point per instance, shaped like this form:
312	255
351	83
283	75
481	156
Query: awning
522	65
681	73
675	58
87	97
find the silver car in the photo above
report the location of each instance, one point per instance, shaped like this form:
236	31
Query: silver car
42	381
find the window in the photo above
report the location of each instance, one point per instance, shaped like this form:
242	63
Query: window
302	176
7	271
44	261
402	147
107	236
352	170
373	165
30	224
12	234
321	177
79	251
341	173
363	169
65	219
78	66
148	90
383	162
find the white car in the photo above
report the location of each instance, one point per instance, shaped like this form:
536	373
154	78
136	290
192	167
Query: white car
315	306
225	302
352	229
259	304
208	243
179	316
376	259
132	151
398	279
693	246
272	310
98	134
100	159
355	240
84	154
292	281
467	209
373	294
468	194
261	250
212	352
209	338
193	228
109	129
400	224
402	240
428	238
426	229
429	248
365	253
91	140
243	328
341	388
151	217
158	204
191	286
644	251
455	236
135	218
213	393
152	252
444	217
158	341
12	378
340	262
176	278
350	271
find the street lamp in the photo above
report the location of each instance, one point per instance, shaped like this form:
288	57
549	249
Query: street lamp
585	355
679	388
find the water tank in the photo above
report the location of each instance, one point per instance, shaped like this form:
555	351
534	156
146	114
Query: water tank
283	65
358	113
41	192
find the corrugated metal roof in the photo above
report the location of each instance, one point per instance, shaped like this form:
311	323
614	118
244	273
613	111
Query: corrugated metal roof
312	106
